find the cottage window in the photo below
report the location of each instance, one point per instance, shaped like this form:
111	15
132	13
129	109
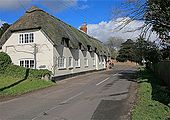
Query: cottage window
31	37
26	38
21	38
27	63
70	62
100	60
61	62
94	62
86	62
62	42
77	62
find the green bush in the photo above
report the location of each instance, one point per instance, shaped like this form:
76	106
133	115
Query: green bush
21	72
38	73
5	60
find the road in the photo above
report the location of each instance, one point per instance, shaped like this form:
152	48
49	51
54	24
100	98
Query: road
94	96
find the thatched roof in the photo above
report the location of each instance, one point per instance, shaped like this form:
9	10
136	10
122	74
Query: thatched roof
55	29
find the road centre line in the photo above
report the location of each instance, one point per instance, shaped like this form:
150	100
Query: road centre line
102	81
106	79
115	74
71	98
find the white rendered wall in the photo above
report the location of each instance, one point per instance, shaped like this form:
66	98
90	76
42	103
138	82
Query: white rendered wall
18	51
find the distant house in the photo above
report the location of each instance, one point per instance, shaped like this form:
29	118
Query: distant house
41	41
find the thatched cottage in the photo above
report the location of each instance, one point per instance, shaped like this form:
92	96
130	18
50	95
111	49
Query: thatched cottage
41	41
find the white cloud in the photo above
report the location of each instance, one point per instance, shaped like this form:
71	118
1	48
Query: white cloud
13	4
1	22
58	5
55	5
104	30
82	7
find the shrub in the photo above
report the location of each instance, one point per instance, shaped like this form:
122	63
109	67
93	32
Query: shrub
21	72
5	60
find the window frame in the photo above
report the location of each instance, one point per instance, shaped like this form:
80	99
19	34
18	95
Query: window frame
94	62
70	62
78	63
27	63
26	38
86	62
61	62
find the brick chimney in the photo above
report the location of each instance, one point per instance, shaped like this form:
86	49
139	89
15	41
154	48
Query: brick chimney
84	27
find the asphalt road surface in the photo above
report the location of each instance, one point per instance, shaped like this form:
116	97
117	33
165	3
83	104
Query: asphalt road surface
94	96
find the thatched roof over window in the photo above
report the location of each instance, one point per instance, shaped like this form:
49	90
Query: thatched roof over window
55	29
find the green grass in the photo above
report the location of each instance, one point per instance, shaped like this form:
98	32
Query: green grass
152	99
27	85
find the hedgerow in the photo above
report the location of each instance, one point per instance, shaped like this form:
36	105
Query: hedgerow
7	68
5	60
18	71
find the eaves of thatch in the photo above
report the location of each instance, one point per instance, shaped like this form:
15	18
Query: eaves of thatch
55	29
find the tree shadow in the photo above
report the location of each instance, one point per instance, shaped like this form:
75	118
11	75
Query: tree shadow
16	83
160	91
129	75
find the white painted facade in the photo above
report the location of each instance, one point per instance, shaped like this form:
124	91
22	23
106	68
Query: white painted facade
47	54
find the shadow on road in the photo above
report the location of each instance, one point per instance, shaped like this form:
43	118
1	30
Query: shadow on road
130	75
16	83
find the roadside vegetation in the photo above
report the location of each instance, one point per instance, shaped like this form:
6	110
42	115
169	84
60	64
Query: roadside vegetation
153	98
16	80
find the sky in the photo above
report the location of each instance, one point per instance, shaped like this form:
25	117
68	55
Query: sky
100	15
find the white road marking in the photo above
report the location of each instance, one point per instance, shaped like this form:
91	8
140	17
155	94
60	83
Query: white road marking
102	81
46	112
115	74
72	98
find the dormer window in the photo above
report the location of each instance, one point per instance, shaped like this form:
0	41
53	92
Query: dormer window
65	42
62	42
88	47
26	38
95	50
80	46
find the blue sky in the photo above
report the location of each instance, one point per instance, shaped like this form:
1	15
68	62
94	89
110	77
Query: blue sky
74	13
101	15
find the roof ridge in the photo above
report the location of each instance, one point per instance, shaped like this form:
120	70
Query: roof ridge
34	8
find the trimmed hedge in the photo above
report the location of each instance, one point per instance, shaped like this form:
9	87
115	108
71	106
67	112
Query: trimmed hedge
5	60
7	68
161	70
18	71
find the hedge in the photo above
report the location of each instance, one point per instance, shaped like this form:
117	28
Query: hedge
162	71
5	60
18	71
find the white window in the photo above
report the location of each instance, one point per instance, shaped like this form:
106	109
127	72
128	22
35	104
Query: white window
21	38
86	62
100	60
26	38
94	62
77	62
27	63
31	37
70	62
61	62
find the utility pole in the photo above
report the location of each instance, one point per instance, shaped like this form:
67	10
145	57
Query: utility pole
35	56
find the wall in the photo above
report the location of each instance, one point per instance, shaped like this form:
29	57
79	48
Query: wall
47	54
75	54
19	51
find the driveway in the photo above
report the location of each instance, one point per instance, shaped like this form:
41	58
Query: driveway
99	95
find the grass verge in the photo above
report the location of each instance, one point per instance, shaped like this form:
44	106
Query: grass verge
153	98
25	86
